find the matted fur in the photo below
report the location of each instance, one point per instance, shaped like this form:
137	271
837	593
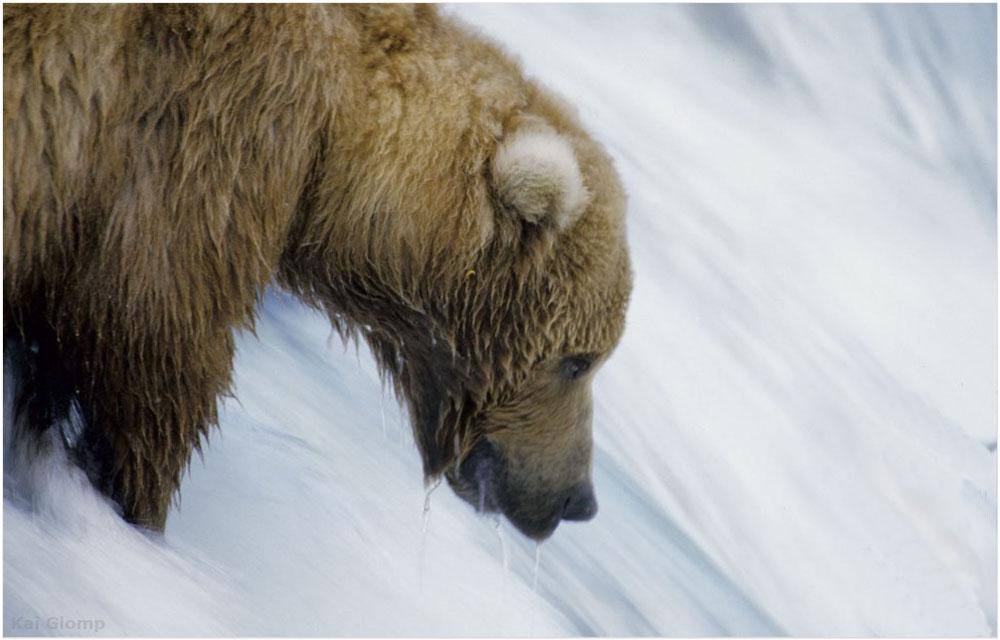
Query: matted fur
163	165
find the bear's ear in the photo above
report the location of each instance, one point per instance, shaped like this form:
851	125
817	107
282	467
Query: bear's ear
536	176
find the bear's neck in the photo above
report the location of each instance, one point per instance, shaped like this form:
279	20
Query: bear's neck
397	236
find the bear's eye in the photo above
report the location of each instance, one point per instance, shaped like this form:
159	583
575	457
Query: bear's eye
573	367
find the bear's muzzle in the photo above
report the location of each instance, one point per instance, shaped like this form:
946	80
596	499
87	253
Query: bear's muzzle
483	480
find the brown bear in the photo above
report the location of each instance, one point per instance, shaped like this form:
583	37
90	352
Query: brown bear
164	165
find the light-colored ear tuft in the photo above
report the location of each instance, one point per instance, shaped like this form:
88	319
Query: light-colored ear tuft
537	176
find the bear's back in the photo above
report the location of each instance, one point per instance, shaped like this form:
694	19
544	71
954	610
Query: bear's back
186	127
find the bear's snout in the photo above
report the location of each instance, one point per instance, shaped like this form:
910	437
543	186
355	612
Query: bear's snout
580	503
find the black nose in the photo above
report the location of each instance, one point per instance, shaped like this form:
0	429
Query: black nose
580	503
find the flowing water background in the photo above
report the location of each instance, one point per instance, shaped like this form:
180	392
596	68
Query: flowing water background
797	434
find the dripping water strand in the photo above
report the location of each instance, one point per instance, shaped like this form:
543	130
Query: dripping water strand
425	517
503	545
536	605
505	578
482	492
538	560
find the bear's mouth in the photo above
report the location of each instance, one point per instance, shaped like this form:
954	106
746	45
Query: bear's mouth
481	479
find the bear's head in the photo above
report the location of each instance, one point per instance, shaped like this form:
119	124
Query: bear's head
470	230
523	447
500	391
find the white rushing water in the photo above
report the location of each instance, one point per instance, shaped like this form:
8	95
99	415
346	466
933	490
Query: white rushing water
796	436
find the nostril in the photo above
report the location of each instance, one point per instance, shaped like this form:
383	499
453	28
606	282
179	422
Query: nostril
580	503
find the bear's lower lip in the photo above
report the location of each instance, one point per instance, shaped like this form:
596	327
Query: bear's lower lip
536	530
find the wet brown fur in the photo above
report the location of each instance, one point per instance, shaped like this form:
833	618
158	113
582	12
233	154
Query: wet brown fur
164	165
